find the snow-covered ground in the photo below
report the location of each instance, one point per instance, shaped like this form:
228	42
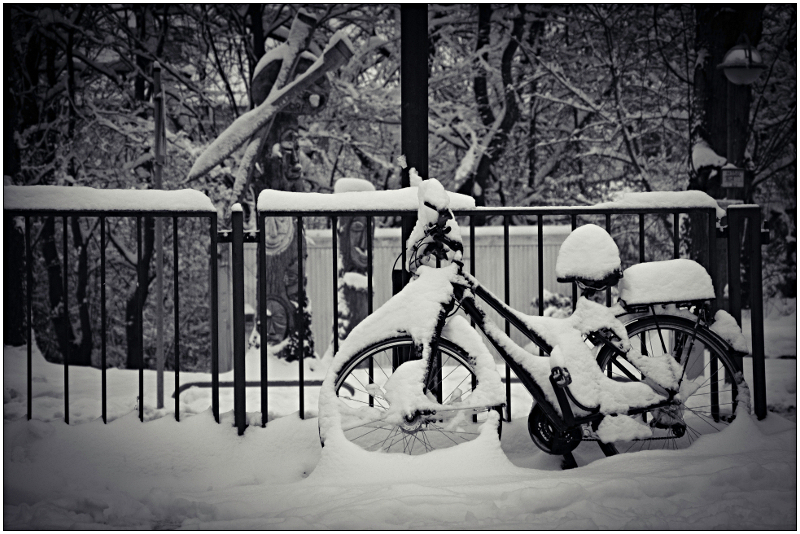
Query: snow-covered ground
197	474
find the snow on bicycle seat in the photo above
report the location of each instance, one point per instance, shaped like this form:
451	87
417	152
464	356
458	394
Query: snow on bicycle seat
589	256
659	282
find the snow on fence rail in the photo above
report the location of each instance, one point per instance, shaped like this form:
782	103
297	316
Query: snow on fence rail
52	198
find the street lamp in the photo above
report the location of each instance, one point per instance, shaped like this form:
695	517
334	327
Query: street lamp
742	64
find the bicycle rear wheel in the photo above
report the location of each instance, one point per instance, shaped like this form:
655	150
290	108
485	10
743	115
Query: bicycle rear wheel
709	386
359	387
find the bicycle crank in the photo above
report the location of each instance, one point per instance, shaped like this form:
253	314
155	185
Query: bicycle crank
546	437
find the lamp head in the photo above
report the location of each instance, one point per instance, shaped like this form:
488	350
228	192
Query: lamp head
742	64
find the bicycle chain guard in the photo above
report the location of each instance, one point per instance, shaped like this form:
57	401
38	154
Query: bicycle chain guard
545	436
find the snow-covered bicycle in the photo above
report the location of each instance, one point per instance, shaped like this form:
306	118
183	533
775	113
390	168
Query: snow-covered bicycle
647	372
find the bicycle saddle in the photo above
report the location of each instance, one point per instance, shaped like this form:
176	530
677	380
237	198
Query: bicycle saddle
589	257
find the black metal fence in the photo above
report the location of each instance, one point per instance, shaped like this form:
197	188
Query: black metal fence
743	221
102	215
671	217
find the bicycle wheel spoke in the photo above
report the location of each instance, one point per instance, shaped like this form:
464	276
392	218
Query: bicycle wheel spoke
445	435
351	399
366	392
369	432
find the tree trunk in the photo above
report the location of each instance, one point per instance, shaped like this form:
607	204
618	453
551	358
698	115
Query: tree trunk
143	277
497	144
254	12
13	240
721	109
82	354
534	32
14	333
61	324
718	29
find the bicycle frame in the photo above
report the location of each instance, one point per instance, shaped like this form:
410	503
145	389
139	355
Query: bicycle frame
465	296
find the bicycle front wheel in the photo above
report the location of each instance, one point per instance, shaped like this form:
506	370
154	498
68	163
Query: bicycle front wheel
709	386
360	384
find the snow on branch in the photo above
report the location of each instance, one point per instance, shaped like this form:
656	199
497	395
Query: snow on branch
704	156
339	50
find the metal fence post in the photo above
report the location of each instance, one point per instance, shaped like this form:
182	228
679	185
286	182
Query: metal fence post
103	325
757	313
176	310
139	313
29	311
262	315
301	326
735	227
66	321
237	254
214	297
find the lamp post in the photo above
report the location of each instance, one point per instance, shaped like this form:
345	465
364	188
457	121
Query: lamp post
742	66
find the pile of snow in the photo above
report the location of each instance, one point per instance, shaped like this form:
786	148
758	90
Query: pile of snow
199	474
79	198
655	282
780	328
588	253
351	185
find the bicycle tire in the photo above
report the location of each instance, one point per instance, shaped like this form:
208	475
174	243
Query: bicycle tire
710	394
426	433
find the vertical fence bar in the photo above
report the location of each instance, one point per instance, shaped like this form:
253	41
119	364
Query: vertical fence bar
472	255
66	321
175	302
540	261
609	371
139	318
574	224
262	314
712	259
370	266
369	297
104	391
641	238
29	311
214	296
237	261
472	272
507	279
757	313
735	229
301	327
403	237
335	255
676	235
608	289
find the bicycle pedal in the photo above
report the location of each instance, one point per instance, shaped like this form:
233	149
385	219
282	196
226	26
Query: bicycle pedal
560	377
